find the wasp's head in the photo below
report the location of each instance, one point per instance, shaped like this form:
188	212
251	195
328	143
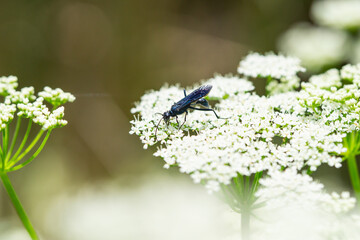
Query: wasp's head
166	116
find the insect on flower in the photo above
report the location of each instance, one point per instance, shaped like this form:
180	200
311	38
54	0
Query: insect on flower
196	97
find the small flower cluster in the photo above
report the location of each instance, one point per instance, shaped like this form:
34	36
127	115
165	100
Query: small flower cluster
56	97
279	70
7	84
295	204
334	98
7	114
29	106
257	134
289	187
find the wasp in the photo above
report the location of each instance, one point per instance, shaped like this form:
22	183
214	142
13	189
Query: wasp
196	97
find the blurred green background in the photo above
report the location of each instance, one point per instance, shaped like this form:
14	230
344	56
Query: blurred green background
108	53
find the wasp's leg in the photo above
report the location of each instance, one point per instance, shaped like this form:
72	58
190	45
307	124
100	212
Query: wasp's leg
184	92
177	120
186	113
205	109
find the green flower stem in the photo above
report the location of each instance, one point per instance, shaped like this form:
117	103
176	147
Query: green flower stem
5	140
29	148
13	141
354	174
240	195
34	155
18	207
23	142
352	144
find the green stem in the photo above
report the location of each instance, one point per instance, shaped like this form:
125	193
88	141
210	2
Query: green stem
28	149
354	174
18	207
13	141
23	142
34	155
5	139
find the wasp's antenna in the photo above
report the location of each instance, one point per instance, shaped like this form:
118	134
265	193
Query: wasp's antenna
157	126
158	113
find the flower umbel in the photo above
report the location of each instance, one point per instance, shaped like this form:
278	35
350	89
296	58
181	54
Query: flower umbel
259	134
24	105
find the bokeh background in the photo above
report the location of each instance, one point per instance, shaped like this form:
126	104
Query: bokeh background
93	178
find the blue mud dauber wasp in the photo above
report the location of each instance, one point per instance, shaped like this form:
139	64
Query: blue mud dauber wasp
196	97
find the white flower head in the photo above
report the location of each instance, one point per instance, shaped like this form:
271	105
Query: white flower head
295	204
7	84
25	95
317	47
291	188
333	98
342	14
41	115
269	65
228	85
57	96
213	151
6	114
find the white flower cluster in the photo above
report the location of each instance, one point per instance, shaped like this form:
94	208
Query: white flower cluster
28	105
257	134
7	84
291	188
6	114
25	95
342	14
56	97
295	205
269	65
334	98
224	86
40	114
279	70
307	43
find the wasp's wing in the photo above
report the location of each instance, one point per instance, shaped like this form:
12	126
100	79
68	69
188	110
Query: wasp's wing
192	97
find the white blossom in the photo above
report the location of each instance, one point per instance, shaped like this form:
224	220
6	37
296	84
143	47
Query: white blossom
269	65
228	85
56	96
291	188
213	151
25	104
334	103
25	95
6	114
342	14
295	205
40	114
7	84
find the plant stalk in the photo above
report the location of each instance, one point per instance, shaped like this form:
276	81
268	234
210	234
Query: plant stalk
18	207
354	175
